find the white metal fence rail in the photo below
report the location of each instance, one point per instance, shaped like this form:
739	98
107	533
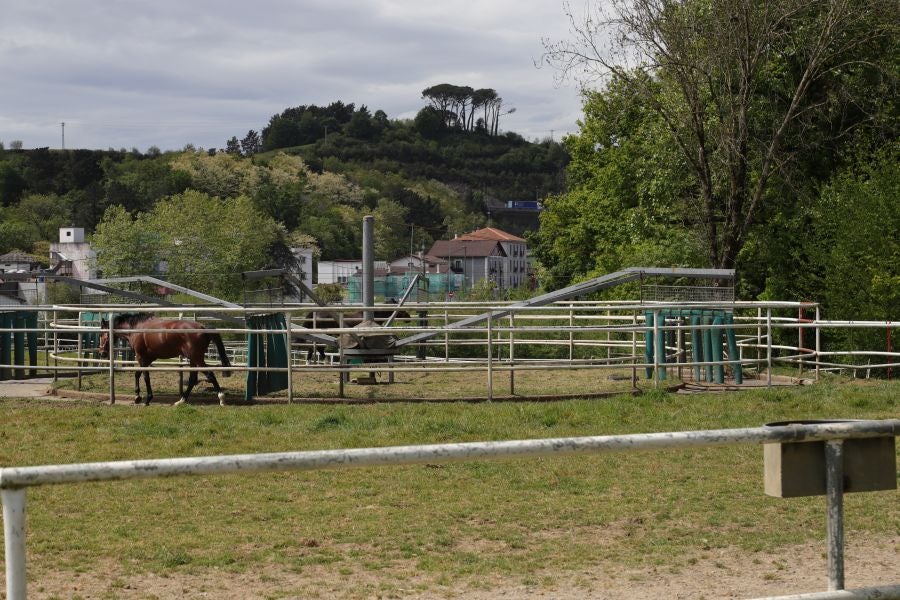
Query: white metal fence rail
14	481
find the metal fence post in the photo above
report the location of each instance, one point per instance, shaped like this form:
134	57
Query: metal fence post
290	358
55	348
512	371
571	334
341	357
490	352
14	542
769	347
446	336
818	344
656	349
834	502
112	361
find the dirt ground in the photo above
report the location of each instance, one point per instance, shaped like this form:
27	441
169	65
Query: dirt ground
716	574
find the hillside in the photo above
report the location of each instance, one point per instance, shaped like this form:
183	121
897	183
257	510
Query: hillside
423	184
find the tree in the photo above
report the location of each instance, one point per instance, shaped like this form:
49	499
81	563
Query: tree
626	198
281	132
360	125
204	242
12	185
46	213
125	245
15	145
232	146
737	84
251	144
429	122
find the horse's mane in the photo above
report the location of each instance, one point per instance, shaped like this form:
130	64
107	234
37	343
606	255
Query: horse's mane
131	319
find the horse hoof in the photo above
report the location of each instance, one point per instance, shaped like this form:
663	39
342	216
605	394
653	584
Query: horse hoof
137	399
221	398
180	402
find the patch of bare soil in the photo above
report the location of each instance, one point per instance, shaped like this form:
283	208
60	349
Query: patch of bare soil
712	574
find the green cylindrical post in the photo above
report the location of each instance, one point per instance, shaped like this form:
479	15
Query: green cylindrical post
707	347
661	346
648	343
718	368
733	352
696	345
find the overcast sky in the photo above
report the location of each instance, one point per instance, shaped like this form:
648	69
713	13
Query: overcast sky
135	73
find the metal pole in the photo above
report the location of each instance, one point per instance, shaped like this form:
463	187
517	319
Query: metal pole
490	365
55	348
769	347
819	342
571	334
834	499
368	260
340	357
656	349
14	542
80	351
758	335
446	336
112	361
512	372
634	350
290	358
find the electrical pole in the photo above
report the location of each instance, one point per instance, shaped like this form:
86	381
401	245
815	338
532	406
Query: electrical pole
63	124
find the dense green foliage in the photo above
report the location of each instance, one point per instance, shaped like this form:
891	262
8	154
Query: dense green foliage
317	187
753	137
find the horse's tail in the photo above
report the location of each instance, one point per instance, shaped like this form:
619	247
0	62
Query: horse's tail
223	355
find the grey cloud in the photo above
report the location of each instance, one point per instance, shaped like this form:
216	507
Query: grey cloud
210	70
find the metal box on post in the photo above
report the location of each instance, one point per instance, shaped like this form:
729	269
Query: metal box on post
796	469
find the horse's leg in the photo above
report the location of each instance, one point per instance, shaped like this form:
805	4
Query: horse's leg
211	378
192	381
137	387
149	389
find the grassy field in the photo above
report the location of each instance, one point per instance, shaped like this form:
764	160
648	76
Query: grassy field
454	524
415	384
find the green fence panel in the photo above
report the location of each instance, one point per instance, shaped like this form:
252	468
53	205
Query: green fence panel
266	350
6	322
19	344
31	322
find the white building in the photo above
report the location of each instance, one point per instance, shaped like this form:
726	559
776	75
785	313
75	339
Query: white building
303	265
340	271
72	255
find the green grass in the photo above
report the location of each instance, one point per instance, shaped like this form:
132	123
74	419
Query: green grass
458	522
408	384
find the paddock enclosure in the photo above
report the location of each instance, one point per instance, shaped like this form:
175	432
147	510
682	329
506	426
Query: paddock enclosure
450	352
459	350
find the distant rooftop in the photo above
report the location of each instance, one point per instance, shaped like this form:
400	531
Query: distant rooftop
490	233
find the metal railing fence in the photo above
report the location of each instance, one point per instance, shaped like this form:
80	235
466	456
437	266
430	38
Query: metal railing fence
570	334
14	481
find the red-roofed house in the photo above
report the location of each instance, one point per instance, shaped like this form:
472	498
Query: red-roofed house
487	253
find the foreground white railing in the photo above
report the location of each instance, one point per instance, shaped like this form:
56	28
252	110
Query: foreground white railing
15	480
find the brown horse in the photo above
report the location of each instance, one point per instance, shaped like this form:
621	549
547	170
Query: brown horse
323	319
150	345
